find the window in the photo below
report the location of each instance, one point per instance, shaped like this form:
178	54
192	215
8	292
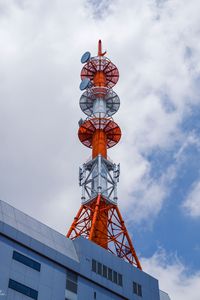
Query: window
26	261
23	289
114	277
95	295
120	279
94	266
110	274
106	272
99	269
137	289
134	287
72	281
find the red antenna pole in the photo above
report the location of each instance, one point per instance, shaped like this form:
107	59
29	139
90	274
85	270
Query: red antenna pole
99	218
100	53
100	48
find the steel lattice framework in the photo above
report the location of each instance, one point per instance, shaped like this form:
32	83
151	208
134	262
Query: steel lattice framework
99	218
105	217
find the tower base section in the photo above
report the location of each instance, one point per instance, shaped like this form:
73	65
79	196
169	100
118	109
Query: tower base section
102	223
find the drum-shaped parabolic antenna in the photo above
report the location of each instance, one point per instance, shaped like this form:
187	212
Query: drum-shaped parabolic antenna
102	68
88	98
109	127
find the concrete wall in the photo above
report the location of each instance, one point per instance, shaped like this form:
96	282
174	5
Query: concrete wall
50	281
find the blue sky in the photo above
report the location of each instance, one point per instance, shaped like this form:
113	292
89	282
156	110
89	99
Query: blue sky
173	229
155	45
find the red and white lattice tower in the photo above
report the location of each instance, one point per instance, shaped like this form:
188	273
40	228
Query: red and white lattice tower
99	218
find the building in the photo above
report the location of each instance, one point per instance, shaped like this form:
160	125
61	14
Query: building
37	262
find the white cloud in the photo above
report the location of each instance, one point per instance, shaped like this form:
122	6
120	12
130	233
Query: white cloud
99	9
192	203
144	193
174	277
40	47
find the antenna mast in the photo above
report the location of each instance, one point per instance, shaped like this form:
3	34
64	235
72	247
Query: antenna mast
99	218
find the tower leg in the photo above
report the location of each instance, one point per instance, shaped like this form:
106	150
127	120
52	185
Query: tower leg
94	219
73	226
98	232
125	232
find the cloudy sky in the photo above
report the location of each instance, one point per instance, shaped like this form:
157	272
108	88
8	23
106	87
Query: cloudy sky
156	46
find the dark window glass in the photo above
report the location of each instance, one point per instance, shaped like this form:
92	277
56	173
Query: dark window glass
110	274
120	279
23	289
95	295
114	277
139	290
26	261
105	271
134	287
72	276
99	269
94	266
72	281
71	286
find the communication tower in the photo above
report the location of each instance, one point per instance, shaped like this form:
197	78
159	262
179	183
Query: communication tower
99	218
